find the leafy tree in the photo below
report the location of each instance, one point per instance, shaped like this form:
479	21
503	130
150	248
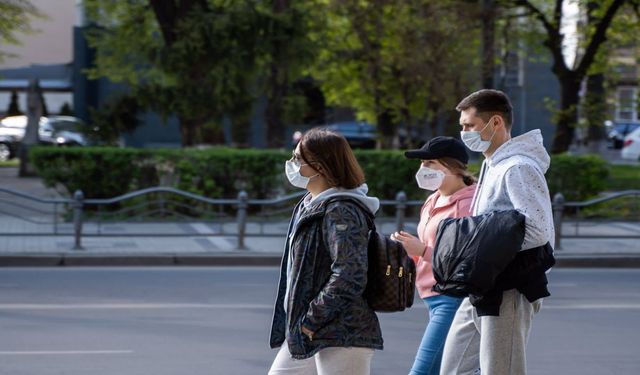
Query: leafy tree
119	115
196	59
15	19
205	60
288	50
398	63
549	15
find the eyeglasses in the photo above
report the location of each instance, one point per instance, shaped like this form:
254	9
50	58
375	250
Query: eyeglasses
297	158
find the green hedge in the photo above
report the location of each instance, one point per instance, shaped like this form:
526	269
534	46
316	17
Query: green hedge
221	172
102	172
577	177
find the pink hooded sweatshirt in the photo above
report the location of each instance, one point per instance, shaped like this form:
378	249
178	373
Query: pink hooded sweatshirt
455	205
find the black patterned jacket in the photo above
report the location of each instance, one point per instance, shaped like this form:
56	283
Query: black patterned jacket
328	276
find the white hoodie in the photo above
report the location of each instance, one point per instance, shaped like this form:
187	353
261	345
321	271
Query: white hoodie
513	178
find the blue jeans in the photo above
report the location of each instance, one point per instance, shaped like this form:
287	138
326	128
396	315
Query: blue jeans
442	309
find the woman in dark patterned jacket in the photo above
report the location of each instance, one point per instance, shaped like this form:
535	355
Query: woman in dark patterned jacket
321	321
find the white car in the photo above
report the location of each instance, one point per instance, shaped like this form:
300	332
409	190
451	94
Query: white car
53	130
631	147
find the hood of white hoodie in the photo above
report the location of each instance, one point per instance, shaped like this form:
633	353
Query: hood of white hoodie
359	193
529	145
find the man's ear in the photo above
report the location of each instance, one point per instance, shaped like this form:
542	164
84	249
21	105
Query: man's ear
499	121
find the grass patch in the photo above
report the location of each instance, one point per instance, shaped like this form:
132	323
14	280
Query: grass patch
623	177
625	208
11	163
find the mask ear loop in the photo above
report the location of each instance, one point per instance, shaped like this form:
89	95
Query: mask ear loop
315	175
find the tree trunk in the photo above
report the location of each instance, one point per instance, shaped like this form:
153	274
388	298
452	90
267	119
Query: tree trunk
596	111
488	46
188	131
595	107
568	114
387	130
278	84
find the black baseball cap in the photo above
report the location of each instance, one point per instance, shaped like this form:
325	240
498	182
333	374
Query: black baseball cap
440	147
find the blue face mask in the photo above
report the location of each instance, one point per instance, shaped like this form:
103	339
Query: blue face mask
474	141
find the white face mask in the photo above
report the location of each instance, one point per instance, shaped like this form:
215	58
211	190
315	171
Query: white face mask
429	179
474	141
292	169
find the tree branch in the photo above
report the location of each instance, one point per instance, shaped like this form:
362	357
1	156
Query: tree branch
557	13
168	15
599	37
554	38
165	15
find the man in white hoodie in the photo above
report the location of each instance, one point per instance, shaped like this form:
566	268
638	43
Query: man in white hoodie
491	338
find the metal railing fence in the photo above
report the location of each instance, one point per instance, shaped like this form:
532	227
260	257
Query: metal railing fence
241	217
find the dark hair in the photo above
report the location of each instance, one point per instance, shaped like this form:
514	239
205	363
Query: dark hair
458	168
489	103
330	154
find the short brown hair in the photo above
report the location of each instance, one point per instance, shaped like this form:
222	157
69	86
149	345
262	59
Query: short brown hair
489	103
332	152
459	169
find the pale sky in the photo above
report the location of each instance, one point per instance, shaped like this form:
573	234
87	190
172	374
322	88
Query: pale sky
569	27
53	44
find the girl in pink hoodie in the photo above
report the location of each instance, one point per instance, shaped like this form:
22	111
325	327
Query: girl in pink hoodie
443	169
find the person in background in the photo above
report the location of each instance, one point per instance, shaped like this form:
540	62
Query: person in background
322	323
443	169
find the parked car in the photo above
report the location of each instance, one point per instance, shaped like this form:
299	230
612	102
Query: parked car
11	133
359	134
52	130
618	131
8	147
631	147
63	131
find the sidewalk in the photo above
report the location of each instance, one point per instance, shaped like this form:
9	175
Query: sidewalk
201	243
200	247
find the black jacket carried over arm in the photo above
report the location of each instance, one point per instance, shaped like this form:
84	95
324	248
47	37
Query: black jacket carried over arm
479	257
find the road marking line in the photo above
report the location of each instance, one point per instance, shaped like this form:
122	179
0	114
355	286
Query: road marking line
131	306
593	307
65	352
203	228
221	243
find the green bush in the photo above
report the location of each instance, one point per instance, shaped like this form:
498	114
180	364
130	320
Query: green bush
99	172
388	172
577	177
102	172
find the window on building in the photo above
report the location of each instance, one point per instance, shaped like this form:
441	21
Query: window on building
627	104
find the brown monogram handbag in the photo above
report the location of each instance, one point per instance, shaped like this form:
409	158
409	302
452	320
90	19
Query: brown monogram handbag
391	274
391	277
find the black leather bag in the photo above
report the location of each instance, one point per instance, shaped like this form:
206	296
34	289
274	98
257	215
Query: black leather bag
391	274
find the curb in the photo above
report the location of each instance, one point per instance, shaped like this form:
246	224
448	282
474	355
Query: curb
598	261
235	259
110	260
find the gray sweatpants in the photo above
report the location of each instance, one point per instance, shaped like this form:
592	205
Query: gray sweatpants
491	345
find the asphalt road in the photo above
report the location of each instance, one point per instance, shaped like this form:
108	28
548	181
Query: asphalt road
196	321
